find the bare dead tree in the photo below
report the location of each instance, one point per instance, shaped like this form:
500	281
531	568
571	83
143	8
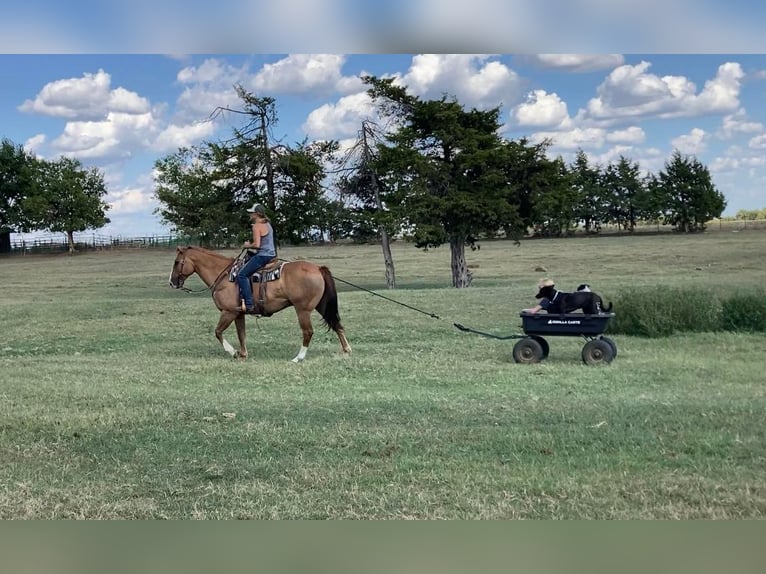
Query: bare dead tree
360	162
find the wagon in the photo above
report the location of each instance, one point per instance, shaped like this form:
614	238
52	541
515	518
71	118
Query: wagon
533	347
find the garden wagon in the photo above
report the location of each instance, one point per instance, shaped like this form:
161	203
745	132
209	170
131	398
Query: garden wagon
533	347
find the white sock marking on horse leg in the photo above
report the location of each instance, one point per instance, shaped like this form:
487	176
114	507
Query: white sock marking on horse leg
228	348
301	355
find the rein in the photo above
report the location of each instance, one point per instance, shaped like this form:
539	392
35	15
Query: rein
214	284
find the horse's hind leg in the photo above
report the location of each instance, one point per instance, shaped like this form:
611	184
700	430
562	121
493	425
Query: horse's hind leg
304	320
343	341
223	323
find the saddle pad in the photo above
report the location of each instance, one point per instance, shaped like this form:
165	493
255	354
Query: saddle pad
266	276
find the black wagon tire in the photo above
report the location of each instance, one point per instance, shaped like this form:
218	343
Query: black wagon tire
597	352
543	343
527	350
611	344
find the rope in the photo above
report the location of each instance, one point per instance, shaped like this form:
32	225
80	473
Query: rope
432	315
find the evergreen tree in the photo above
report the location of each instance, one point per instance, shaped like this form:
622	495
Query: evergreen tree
454	164
691	198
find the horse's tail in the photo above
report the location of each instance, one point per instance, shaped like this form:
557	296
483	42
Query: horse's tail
328	304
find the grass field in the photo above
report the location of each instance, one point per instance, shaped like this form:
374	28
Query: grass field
116	401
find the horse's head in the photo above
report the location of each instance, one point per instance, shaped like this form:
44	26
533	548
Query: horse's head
183	267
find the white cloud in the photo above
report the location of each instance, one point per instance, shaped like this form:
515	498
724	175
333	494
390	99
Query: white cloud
541	109
34	143
207	87
131	200
692	143
631	135
117	136
88	97
757	142
335	121
735	160
737	123
586	138
476	80
632	92
576	62
176	136
301	73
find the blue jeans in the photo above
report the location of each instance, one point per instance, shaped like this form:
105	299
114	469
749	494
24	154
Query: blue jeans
243	277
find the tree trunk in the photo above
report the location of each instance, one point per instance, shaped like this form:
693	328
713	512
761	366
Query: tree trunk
388	259
461	275
70	240
384	239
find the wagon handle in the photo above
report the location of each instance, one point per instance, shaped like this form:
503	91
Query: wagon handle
490	335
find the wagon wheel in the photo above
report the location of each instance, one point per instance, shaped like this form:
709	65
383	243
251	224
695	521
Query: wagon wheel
597	352
543	343
611	344
527	350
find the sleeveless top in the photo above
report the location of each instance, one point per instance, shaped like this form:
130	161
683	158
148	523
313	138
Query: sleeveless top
267	243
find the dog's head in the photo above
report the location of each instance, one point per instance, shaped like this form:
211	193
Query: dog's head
545	292
584	287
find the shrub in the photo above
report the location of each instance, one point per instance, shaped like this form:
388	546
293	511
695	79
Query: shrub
744	311
662	311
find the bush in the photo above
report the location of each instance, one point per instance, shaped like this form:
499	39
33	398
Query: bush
744	312
662	311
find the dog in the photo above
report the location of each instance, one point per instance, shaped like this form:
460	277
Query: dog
584	287
563	302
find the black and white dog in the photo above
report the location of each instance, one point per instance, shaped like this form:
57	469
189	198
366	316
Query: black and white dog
562	302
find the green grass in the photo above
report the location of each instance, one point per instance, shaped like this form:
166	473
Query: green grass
116	401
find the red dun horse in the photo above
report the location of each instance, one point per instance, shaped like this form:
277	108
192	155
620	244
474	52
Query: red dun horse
303	285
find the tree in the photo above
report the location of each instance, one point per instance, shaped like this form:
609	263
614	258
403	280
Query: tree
691	198
556	206
366	187
300	195
623	188
18	181
71	199
454	163
287	180
586	181
528	171
195	199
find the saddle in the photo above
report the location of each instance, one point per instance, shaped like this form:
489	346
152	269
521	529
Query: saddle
269	272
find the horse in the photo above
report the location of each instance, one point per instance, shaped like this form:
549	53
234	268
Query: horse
303	285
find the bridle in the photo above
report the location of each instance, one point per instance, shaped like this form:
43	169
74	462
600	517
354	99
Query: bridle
181	278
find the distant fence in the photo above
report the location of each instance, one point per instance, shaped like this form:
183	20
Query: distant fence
21	245
736	224
659	228
87	242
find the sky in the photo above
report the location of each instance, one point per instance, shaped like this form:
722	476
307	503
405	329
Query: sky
119	85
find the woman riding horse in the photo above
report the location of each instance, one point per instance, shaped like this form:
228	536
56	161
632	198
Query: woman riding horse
301	284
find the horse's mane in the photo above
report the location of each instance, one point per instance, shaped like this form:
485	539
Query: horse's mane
211	253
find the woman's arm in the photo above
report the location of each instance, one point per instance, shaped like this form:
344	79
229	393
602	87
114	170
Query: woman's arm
533	310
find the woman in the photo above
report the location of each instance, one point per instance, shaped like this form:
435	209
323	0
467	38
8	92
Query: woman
262	249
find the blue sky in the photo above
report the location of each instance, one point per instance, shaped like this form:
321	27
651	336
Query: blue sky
121	112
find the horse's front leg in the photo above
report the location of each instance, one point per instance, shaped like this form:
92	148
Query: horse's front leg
240	324
223	323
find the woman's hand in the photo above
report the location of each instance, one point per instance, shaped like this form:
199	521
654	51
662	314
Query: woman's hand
247	245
